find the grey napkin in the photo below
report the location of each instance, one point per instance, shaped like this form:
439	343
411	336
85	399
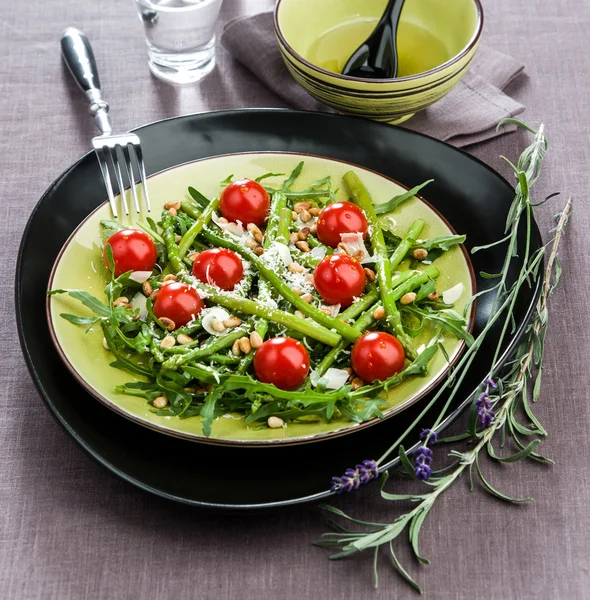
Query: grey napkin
467	115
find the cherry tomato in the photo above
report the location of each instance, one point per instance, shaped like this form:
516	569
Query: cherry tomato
282	361
340	217
133	250
179	302
219	267
339	279
377	355
246	201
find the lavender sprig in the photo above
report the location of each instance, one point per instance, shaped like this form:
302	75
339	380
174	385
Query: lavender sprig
354	478
496	406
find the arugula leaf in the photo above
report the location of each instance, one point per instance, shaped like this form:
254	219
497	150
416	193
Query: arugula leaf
79	320
396	201
88	300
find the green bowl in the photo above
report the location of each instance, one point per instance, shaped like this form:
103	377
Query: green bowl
80	266
437	40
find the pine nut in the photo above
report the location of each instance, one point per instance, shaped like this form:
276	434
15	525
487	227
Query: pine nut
255	340
259	251
147	289
379	313
301	206
177	238
183	339
251	243
313	229
295	216
303	246
235	349
420	253
170	277
307	298
309	278
298	291
190	390
408	298
160	402
255	231
295	268
299	314
359	255
357	383
217	325
293	238
433	296
305	216
245	345
223	220
370	274
121	301
173	212
154	295
170	205
342	246
105	344
303	233
192	256
326	310
169	324
168	342
208	388
232	322
275	422
314	211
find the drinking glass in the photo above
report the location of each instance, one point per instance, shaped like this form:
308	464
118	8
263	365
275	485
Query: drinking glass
180	37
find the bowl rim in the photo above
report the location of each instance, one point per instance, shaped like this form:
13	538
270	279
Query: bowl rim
230	442
470	45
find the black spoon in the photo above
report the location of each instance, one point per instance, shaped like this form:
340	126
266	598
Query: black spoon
376	58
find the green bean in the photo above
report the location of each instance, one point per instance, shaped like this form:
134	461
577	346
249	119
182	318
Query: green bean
201	221
360	305
282	288
169	237
219	343
415	281
223	359
361	197
285	220
278	203
400	252
362	323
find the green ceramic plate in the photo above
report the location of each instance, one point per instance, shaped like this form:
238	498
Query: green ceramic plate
80	265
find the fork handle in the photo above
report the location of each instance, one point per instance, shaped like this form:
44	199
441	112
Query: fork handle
78	56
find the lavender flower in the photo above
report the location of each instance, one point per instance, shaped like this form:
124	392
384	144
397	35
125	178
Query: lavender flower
423	468
353	478
484	404
428	434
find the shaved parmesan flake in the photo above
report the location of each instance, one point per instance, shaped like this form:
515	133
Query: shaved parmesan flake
282	251
335	378
214	314
235	229
452	295
318	252
354	243
139	301
140	276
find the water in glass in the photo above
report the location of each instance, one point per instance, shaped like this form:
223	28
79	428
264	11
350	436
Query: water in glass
180	37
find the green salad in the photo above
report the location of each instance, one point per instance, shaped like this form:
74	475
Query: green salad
276	304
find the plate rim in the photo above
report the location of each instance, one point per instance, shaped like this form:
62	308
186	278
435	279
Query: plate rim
279	442
222	505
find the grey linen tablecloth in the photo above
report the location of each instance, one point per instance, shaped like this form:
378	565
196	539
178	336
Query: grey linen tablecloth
70	530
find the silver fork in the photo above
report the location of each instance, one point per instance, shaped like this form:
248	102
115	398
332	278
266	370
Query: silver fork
112	150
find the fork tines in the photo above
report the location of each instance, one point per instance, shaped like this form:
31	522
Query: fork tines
113	151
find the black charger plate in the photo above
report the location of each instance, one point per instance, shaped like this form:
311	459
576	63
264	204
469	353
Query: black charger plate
473	197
